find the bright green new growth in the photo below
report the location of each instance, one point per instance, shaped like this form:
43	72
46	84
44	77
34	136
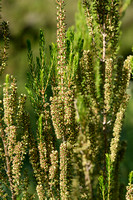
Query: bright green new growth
105	187
129	194
79	98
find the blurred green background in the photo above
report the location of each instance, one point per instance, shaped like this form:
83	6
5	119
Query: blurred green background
26	17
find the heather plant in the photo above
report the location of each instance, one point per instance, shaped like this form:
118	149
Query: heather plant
79	97
129	194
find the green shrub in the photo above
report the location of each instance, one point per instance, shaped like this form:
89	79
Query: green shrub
79	97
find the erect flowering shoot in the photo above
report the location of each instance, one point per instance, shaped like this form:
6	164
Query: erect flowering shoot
62	105
57	113
121	82
54	176
61	41
117	128
119	110
107	85
63	171
9	101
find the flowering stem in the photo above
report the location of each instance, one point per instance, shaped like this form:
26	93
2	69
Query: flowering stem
9	173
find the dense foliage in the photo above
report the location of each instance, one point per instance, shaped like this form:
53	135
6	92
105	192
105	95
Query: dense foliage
79	97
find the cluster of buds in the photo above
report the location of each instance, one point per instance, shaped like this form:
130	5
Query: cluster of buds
114	146
61	41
